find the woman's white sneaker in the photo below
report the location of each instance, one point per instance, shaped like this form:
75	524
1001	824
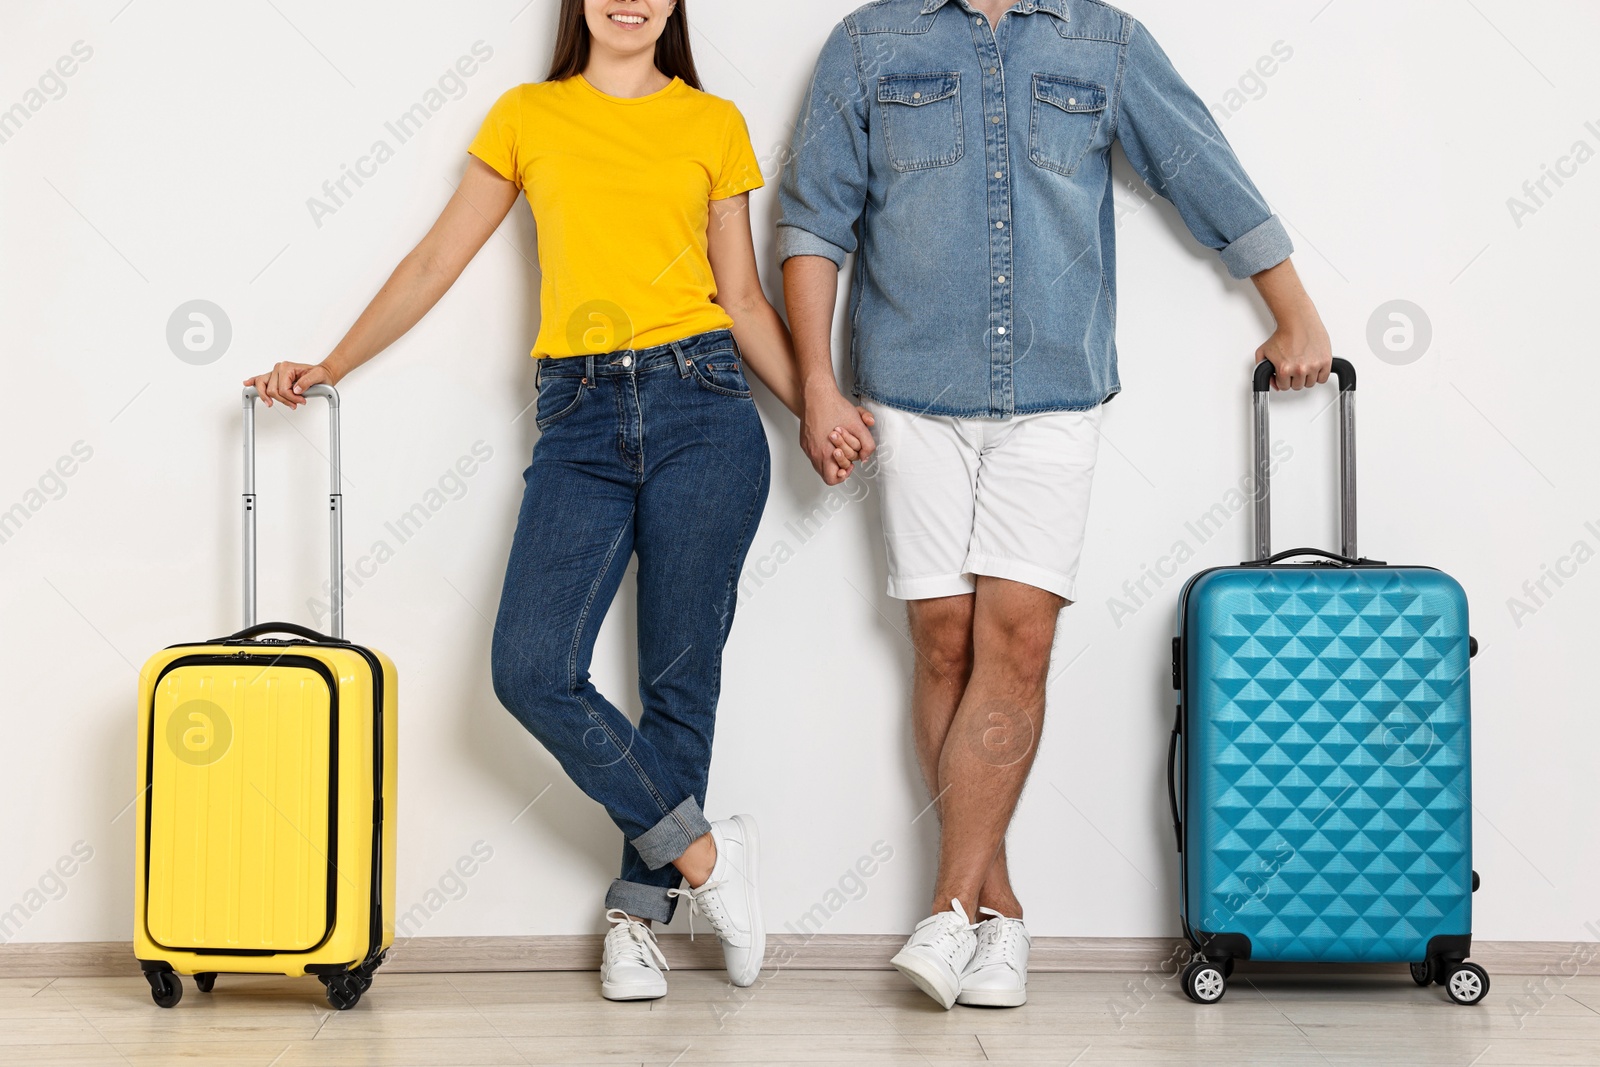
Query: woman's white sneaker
997	977
940	948
631	965
729	900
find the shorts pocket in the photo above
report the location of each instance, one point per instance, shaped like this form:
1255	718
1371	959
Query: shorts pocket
721	373
1066	117
921	119
559	396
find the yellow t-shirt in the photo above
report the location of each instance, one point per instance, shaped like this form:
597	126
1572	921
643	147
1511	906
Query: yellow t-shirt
621	192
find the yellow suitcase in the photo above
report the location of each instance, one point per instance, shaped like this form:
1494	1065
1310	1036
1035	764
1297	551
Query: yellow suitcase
266	813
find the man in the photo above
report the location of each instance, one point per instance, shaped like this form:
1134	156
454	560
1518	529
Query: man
962	149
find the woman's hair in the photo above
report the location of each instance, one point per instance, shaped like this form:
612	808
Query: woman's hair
674	57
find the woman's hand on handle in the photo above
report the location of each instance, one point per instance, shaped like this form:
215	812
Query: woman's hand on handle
287	382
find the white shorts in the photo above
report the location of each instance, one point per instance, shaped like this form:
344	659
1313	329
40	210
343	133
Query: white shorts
1008	498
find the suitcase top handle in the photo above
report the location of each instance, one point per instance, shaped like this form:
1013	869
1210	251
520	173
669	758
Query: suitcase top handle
1346	374
335	510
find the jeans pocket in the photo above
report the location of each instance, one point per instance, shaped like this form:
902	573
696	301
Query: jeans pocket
922	119
559	396
721	373
1066	117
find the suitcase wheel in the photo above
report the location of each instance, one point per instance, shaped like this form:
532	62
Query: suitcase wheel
1204	982
1422	973
1468	983
205	981
345	989
165	988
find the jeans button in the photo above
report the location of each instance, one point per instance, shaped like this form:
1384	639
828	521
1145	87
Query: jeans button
627	361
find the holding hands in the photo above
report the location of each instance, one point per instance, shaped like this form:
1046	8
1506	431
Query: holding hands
835	433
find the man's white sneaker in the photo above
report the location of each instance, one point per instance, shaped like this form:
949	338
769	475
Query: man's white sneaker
631	966
940	948
997	977
729	899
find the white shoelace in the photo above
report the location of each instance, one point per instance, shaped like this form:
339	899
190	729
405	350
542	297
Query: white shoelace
999	943
950	924
633	942
708	905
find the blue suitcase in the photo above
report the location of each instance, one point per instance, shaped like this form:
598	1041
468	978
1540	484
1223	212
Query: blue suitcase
1320	766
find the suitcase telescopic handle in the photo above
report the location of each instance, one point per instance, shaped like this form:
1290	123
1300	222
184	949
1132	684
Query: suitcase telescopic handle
1345	371
335	510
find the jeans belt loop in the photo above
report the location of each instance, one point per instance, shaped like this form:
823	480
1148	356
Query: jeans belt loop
538	373
683	362
588	371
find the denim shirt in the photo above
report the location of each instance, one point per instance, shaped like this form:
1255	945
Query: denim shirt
970	166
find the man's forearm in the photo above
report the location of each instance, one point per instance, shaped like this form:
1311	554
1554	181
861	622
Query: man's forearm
1286	296
811	289
1300	351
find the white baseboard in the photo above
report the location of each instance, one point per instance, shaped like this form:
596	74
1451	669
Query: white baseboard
846	952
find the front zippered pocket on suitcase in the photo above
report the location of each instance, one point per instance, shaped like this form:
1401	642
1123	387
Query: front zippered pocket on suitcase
241	820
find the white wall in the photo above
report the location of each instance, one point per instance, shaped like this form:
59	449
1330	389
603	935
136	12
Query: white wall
177	166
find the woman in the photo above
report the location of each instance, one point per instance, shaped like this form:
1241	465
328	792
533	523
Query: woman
650	444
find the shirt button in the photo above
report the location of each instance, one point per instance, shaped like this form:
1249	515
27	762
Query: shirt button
995	120
994	70
999	174
1072	101
627	361
1002	331
999	225
1001	279
918	96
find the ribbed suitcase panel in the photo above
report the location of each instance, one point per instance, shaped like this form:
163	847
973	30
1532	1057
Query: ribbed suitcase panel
1328	761
239	818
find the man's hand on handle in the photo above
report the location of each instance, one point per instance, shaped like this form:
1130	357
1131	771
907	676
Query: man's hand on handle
287	382
1301	356
1300	351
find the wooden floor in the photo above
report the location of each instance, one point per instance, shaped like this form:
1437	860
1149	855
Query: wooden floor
855	1017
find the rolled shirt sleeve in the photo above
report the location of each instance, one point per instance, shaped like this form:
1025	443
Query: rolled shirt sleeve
1175	144
824	188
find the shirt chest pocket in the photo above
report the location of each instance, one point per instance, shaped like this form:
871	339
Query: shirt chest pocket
1066	117
922	119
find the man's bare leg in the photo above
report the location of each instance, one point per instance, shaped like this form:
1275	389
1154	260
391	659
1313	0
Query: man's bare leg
991	740
941	632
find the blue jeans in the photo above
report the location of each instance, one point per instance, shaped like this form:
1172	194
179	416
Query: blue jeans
658	453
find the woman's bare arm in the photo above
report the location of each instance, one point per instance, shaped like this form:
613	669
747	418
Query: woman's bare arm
479	205
761	334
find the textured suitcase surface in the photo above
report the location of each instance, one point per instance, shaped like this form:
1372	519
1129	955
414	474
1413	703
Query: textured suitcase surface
1327	761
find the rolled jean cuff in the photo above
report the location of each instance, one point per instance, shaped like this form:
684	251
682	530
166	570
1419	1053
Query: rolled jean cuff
641	901
1261	249
672	836
793	241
